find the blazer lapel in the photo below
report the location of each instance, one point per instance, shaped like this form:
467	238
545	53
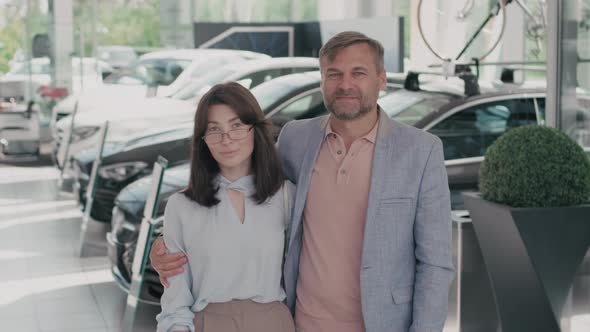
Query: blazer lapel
378	169
311	154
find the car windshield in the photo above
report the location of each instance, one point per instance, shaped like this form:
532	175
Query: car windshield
410	106
87	68
268	93
151	72
117	54
202	85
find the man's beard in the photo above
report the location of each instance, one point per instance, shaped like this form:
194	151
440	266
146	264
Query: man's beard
363	109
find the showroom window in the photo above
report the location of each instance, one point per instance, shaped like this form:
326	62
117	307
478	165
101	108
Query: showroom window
568	106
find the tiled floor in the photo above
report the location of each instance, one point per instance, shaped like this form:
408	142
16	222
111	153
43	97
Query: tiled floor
44	285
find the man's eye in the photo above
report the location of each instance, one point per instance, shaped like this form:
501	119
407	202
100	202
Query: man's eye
359	73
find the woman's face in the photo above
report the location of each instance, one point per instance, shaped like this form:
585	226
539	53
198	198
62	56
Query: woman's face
230	141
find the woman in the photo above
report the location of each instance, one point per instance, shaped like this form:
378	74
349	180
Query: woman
229	222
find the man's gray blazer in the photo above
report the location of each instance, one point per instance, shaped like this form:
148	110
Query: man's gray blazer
406	266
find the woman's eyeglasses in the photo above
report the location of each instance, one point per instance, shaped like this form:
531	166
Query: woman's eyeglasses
234	134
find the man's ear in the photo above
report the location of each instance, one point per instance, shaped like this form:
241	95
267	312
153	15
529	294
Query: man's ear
383	80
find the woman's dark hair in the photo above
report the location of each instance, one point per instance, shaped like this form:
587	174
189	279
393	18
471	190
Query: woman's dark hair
266	168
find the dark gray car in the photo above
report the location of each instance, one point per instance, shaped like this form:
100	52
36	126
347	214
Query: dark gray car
467	125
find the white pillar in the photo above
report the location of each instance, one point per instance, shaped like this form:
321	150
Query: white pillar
176	23
294	10
63	42
383	8
244	10
328	10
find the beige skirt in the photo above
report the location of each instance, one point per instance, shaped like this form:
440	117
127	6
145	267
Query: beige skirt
244	316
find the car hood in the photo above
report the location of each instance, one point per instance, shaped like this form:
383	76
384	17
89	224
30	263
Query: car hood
132	198
132	117
87	156
115	152
100	97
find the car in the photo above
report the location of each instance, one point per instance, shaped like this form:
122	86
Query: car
467	125
19	131
86	74
93	110
86	131
170	70
249	74
128	161
160	73
30	81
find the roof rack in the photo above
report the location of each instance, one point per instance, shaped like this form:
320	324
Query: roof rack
461	71
464	72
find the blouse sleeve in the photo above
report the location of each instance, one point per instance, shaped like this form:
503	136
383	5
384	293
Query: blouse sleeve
177	300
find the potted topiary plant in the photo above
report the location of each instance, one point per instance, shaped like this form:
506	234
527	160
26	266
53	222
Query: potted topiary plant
532	222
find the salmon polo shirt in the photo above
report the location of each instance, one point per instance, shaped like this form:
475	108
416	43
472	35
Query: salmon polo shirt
328	287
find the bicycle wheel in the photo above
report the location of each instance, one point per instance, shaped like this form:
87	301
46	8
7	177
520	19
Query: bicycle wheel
461	30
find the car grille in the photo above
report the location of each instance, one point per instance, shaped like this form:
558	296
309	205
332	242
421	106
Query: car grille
59	137
122	253
103	204
151	278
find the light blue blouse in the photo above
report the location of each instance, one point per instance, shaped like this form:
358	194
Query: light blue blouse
227	260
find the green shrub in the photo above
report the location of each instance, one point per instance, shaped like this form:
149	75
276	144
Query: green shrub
535	166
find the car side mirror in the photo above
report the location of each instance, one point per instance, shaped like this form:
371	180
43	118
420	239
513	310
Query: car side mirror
105	74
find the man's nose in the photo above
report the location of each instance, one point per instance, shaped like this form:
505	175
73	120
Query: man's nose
347	82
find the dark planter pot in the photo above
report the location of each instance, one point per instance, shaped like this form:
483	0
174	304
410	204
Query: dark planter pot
532	256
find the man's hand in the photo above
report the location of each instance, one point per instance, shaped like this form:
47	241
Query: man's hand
167	265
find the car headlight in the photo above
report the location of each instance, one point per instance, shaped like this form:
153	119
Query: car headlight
123	230
81	133
121	171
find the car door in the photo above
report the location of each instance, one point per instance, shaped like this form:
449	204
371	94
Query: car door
468	130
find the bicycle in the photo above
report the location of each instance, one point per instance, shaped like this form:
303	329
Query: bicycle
484	24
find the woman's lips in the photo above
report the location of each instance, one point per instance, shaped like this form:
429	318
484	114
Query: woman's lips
228	153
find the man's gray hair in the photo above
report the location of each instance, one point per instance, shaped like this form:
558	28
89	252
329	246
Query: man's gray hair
347	38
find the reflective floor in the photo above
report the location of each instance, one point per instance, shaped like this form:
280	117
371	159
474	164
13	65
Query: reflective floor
46	287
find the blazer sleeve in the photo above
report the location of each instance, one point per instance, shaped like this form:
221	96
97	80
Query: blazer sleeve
283	146
177	300
433	250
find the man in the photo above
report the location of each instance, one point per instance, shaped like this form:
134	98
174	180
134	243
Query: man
370	239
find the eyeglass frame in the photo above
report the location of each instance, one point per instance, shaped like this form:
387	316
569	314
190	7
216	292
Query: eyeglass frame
228	135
